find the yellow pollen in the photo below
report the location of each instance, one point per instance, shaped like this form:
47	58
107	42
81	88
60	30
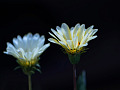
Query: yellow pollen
27	63
33	62
78	43
72	51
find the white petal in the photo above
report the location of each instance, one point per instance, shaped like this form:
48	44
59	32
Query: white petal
36	36
70	44
28	56
15	42
53	36
84	39
90	35
9	45
11	53
44	47
63	44
11	50
94	31
88	30
90	38
25	47
80	33
72	28
21	53
53	41
34	42
38	54
85	44
41	41
29	38
60	37
82	45
77	26
29	35
35	52
75	42
5	52
59	30
67	31
72	33
20	42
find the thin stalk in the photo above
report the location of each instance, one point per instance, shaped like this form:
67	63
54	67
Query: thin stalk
74	77
29	82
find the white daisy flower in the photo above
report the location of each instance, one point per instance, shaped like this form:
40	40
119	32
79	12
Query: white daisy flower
27	49
74	39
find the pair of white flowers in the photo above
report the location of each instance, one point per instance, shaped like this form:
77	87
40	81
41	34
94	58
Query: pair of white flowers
28	49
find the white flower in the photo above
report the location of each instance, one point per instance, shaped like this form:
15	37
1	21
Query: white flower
27	49
74	39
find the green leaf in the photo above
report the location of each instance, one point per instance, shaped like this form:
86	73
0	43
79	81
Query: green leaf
81	82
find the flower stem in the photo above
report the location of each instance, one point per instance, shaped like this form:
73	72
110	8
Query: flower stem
74	76
29	82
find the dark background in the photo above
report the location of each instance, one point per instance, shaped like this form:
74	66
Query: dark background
101	61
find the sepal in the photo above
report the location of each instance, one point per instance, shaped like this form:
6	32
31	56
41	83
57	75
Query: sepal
17	68
74	58
29	69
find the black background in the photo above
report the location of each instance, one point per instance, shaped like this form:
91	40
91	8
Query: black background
101	61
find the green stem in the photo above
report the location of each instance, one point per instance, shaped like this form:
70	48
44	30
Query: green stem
29	82
74	77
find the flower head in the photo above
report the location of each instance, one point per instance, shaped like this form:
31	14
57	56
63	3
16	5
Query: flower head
72	40
27	49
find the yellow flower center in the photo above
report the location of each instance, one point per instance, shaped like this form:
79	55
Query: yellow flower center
73	51
27	63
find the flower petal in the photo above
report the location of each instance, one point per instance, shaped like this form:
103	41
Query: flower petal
44	48
82	45
59	30
70	44
53	41
35	52
67	32
41	41
88	30
77	26
91	38
75	42
53	36
21	53
20	42
59	36
94	31
64	45
84	39
11	50
15	42
80	33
